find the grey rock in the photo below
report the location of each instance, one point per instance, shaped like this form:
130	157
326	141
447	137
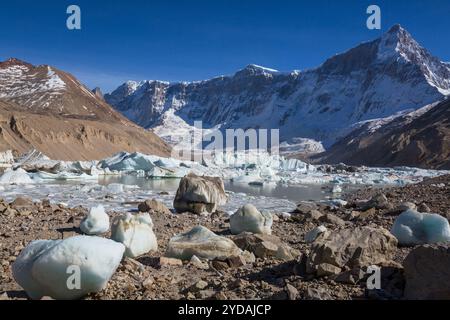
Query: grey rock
352	247
202	243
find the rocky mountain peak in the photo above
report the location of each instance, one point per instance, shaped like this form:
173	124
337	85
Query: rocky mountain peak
98	93
13	62
397	41
255	70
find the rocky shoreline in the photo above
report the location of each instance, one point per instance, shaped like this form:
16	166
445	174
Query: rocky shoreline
261	274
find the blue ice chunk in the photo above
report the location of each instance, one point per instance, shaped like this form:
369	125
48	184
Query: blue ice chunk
414	228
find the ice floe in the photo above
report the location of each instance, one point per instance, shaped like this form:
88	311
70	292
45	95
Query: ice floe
87	182
250	168
18	176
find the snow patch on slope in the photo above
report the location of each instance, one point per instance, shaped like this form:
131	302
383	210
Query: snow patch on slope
16	81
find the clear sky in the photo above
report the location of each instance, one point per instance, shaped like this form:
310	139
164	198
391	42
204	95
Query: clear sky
199	39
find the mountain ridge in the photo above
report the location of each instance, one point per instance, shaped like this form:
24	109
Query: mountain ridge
419	138
49	110
372	80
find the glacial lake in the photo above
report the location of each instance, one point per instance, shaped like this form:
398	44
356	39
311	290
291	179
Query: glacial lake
293	193
124	192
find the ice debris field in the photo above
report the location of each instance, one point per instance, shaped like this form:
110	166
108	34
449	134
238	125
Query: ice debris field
80	182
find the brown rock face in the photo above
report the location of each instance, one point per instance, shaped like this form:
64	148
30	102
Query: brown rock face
427	273
49	110
418	141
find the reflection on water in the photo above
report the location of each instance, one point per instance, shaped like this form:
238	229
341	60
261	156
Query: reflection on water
293	193
158	185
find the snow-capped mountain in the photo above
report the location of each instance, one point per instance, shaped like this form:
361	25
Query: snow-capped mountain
49	110
376	79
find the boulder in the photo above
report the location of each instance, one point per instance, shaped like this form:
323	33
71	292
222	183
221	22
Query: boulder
50	267
165	261
413	228
265	246
313	215
135	232
332	219
305	207
22	202
405	206
200	195
326	269
426	271
96	222
153	206
423	207
249	219
202	243
352	247
378	201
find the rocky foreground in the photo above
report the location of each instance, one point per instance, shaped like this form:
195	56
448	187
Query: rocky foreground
291	263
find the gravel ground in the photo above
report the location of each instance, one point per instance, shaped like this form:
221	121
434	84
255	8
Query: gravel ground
146	278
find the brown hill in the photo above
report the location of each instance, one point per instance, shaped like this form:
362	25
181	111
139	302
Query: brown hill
417	140
49	110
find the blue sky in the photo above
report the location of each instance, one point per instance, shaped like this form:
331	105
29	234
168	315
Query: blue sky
200	39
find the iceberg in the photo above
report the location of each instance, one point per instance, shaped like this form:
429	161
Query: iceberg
414	228
67	269
63	175
249	219
96	222
135	232
145	165
18	176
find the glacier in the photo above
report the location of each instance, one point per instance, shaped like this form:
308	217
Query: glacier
256	178
254	168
